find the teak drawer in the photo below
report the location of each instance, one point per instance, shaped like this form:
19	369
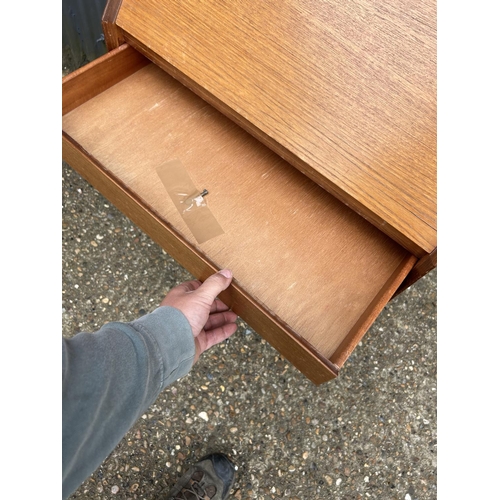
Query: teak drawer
310	274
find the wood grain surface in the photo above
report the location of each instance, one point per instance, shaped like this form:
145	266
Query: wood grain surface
97	76
345	91
294	248
112	33
425	265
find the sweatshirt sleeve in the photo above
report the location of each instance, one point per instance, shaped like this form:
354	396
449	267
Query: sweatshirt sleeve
110	378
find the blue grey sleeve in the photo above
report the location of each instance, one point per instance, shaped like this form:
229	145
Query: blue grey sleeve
110	378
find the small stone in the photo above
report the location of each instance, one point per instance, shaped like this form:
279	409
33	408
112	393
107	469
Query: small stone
339	480
305	454
233	430
367	479
189	420
115	490
203	415
105	300
329	480
134	487
93	243
407	496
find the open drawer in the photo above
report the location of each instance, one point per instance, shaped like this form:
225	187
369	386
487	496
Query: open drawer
310	275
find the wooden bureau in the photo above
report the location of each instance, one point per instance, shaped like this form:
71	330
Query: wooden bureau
313	127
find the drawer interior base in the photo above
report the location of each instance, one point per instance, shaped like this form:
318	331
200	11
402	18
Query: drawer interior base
313	262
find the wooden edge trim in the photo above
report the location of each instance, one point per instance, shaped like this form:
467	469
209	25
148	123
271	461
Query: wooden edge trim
296	349
99	75
374	309
421	268
417	248
113	34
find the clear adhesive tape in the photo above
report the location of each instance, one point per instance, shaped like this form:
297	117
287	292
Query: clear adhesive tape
189	201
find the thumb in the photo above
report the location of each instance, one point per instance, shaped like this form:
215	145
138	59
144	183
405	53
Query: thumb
215	284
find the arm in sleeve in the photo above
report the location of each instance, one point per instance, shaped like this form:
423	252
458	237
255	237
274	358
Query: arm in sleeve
110	378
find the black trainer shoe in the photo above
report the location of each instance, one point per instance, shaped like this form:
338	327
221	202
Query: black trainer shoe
209	479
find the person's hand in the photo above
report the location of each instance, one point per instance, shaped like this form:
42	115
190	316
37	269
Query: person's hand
210	319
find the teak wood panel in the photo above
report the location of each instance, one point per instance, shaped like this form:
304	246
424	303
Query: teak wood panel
101	74
295	249
345	91
419	270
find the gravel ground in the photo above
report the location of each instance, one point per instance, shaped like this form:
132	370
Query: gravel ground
371	433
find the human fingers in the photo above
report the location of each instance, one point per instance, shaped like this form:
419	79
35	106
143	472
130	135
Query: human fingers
178	292
219	319
218	306
208	339
214	284
187	286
